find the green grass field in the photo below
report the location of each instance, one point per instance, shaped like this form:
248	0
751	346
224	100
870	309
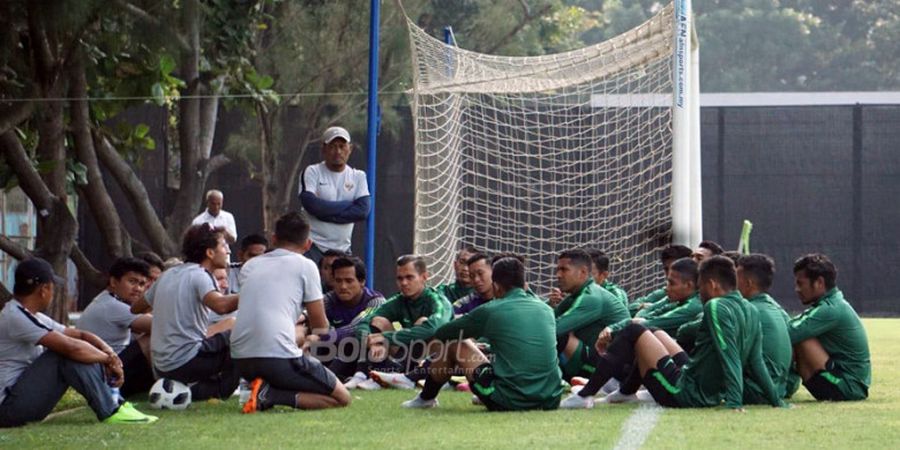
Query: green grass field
375	419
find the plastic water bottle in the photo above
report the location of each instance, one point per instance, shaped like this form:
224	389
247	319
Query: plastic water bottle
243	391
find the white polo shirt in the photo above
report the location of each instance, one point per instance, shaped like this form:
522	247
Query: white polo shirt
224	220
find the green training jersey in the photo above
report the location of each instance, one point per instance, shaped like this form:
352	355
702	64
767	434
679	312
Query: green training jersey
776	347
653	297
521	331
587	311
729	344
835	324
660	306
454	291
430	304
616	291
670	318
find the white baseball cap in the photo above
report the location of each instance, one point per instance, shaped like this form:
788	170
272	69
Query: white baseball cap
335	132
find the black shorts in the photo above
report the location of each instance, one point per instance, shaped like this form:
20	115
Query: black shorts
213	357
823	385
483	387
662	382
301	374
138	374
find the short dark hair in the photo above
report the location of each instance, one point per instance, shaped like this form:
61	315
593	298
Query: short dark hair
686	269
578	257
816	265
417	261
721	269
733	255
198	239
478	257
292	227
350	261
469	248
508	272
152	259
712	246
759	267
508	255
126	264
331	254
253	239
599	259
673	252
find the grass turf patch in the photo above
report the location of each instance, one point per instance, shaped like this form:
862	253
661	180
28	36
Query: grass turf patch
375	419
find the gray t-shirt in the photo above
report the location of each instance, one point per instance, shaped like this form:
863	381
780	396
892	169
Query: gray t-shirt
110	319
20	331
274	287
180	318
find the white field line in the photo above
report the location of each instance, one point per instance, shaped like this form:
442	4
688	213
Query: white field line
638	427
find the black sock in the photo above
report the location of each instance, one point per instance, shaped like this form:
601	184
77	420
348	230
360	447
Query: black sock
431	389
283	397
604	370
681	358
632	382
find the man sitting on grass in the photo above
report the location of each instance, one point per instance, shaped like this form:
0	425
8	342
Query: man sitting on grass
480	276
754	276
181	300
580	317
109	317
40	358
831	349
729	344
600	274
462	286
419	309
275	288
667	256
524	373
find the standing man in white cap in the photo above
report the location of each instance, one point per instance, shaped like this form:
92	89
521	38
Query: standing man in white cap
334	195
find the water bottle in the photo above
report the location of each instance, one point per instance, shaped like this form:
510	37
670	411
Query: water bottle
114	391
243	392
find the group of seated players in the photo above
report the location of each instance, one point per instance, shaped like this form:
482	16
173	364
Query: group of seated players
712	336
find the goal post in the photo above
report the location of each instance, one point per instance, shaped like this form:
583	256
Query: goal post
596	147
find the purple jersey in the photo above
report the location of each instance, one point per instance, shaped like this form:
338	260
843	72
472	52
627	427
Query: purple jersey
466	304
344	318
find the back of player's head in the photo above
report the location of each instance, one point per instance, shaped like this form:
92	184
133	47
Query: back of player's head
293	228
330	253
600	259
733	255
478	257
350	261
712	246
686	268
508	273
760	268
720	269
673	252
815	265
127	264
500	256
253	239
577	257
417	261
152	259
198	239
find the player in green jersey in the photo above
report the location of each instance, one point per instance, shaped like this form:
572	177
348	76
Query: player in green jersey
831	349
668	256
600	274
754	275
729	344
462	286
524	373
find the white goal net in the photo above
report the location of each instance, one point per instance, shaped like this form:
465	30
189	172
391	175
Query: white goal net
536	155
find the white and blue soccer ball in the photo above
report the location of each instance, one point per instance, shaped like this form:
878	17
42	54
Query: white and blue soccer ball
169	394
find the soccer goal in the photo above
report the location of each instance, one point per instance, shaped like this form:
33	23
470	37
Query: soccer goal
595	147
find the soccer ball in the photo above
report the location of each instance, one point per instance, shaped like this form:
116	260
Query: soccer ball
169	394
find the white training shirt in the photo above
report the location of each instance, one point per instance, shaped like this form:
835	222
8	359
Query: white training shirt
348	185
274	287
224	220
20	331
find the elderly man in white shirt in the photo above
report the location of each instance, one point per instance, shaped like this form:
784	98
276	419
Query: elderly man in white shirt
216	216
